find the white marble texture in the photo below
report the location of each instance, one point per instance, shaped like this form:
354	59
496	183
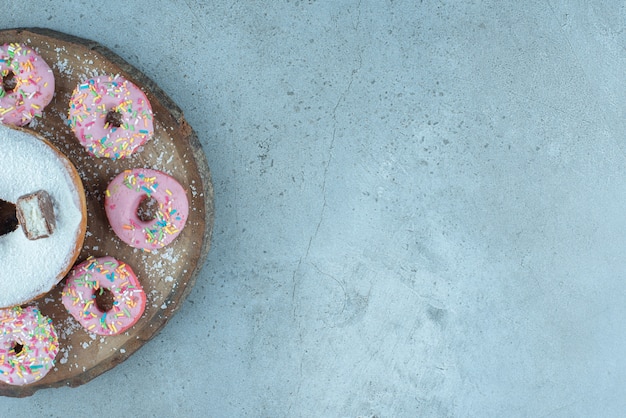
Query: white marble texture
420	208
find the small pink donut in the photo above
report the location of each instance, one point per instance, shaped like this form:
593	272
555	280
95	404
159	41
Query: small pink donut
110	116
27	84
104	295
28	345
125	194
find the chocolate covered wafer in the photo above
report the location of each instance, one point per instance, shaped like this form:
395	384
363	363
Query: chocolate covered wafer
35	214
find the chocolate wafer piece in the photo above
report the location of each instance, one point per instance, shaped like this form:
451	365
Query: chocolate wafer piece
35	213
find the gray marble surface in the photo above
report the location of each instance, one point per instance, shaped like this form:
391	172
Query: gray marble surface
420	208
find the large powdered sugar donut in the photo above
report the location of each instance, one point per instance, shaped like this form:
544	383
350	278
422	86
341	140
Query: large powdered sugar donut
27	84
104	295
129	190
110	116
29	164
28	345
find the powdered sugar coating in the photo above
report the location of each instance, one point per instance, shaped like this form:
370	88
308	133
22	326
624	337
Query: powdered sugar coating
30	268
28	345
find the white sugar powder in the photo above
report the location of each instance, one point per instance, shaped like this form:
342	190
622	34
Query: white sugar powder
29	268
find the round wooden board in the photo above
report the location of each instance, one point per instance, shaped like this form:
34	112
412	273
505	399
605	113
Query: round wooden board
167	275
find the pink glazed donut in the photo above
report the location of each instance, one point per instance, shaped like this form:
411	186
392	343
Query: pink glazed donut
28	345
110	116
132	188
104	295
27	84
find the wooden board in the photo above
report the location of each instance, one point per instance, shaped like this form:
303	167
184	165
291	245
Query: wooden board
167	275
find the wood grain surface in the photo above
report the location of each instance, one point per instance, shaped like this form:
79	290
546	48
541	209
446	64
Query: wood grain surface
167	275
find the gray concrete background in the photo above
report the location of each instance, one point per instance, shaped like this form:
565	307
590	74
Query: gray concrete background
420	208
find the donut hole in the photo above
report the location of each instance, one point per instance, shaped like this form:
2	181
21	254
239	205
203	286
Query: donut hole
18	348
147	209
8	217
104	299
9	82
113	119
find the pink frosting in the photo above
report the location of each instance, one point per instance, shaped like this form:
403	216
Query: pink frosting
90	104
123	197
28	345
33	84
88	280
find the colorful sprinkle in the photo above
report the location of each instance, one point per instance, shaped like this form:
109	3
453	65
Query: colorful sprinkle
89	280
34	84
170	212
90	104
38	344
